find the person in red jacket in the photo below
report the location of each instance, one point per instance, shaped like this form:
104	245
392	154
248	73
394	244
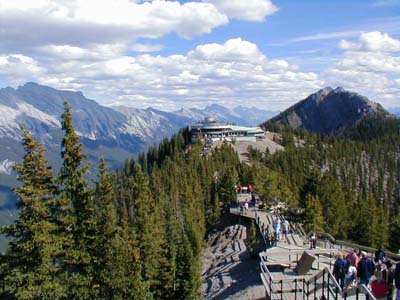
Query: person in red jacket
379	287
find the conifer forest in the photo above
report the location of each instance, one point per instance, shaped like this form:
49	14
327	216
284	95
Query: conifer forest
138	232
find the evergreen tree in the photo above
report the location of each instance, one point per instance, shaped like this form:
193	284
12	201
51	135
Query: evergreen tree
117	273
151	238
335	210
75	214
314	219
29	262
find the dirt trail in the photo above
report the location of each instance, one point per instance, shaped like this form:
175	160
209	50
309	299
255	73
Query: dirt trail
230	271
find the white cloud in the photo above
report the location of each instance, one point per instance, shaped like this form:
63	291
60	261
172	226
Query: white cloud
372	41
82	23
19	68
228	73
234	49
371	66
250	10
324	36
138	47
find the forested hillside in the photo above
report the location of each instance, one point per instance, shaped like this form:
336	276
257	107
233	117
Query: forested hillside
139	232
137	235
347	185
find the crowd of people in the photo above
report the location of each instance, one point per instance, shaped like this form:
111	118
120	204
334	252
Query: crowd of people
378	274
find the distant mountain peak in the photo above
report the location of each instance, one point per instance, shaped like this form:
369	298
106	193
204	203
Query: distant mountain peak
322	93
329	111
339	89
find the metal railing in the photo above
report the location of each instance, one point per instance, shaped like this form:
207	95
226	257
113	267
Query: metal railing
321	285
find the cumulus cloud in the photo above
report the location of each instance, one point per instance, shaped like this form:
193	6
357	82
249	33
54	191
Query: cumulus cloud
249	10
138	47
81	23
369	65
374	41
224	73
19	68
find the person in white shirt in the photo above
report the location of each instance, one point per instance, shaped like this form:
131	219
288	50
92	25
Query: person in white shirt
285	229
277	227
350	275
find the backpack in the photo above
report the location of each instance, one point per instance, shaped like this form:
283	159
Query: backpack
342	268
397	276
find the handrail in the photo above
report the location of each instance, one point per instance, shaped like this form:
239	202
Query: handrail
392	255
323	234
302	285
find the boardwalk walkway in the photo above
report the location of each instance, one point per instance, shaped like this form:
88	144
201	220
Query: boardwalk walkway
289	268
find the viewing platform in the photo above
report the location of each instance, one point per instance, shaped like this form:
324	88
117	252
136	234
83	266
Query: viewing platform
289	269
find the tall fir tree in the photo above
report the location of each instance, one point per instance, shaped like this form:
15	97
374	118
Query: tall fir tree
314	219
76	213
117	273
148	224
31	268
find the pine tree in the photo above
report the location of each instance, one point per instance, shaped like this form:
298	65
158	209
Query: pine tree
75	213
336	210
314	220
148	225
29	262
117	273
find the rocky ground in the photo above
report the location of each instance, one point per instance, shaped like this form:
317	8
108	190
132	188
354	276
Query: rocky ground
241	147
230	271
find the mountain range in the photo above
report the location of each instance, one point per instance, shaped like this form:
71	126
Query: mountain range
113	132
329	111
117	133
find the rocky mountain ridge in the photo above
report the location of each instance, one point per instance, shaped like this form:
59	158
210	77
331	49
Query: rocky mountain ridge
329	111
113	132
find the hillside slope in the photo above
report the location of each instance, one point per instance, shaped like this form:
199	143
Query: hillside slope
329	111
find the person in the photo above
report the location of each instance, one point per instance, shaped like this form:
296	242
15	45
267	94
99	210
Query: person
340	269
397	280
285	229
365	268
379	255
388	276
350	276
274	240
277	229
313	241
379	286
241	208
352	257
246	205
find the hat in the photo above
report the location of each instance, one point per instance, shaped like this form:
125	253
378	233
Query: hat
363	253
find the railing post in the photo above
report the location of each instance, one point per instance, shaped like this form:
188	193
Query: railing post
357	292
295	288
323	282
281	289
328	291
315	287
270	287
308	290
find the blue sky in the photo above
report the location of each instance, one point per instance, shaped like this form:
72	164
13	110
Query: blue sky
169	54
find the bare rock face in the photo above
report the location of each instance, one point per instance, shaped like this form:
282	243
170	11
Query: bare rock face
329	111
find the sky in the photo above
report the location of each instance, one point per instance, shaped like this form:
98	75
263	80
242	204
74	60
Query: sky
171	55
